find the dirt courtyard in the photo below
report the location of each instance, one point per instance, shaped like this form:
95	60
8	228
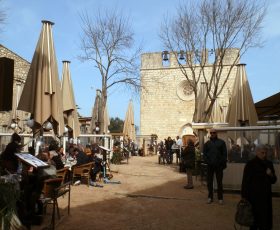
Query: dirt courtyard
150	196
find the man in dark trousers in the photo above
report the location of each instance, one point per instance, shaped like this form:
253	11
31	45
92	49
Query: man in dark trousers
215	156
258	176
168	145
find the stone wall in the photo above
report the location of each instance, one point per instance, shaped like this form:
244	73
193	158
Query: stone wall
21	68
167	104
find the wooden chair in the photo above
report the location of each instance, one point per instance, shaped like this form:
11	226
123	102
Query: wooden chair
53	189
64	174
82	171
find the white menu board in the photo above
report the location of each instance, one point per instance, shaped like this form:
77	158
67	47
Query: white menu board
31	160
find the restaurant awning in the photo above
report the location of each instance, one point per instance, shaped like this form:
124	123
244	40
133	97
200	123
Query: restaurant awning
269	108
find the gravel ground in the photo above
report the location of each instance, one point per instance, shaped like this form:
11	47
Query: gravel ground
150	196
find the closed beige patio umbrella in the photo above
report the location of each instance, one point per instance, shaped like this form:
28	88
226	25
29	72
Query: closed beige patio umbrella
241	110
96	113
41	94
129	127
69	105
106	120
96	116
201	108
217	112
202	102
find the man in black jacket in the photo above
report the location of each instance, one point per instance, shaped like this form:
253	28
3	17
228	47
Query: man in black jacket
258	176
215	156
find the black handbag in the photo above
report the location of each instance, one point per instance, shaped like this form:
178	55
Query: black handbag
244	213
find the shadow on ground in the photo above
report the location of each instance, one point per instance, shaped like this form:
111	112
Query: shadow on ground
150	196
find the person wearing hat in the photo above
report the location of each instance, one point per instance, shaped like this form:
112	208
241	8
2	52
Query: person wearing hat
215	156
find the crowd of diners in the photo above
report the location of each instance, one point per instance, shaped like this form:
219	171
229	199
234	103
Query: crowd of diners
32	183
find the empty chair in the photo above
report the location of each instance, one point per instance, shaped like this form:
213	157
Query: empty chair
82	172
53	189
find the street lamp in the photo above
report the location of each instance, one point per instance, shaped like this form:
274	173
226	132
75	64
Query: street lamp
14	125
30	123
48	126
97	128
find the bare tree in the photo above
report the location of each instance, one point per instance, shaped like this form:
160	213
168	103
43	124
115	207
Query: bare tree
219	24
108	41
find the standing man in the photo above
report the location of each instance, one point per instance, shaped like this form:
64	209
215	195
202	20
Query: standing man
258	176
215	156
168	144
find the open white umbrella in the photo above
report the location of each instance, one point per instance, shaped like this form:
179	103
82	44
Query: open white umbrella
41	94
129	127
69	105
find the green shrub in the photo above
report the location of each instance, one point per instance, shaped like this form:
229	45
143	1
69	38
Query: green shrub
117	158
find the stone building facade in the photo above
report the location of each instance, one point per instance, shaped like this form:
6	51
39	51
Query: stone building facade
21	68
167	101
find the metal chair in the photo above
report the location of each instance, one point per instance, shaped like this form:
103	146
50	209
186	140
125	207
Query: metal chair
53	189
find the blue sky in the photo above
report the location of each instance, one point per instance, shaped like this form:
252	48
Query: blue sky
23	25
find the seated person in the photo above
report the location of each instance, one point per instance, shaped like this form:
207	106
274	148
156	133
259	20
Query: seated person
81	157
55	156
96	168
61	153
32	186
234	154
9	160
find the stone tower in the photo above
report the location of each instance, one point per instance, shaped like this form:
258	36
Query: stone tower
167	101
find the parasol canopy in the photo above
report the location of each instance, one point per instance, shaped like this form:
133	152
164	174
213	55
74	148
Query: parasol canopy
41	94
96	115
106	120
69	105
96	112
129	127
241	110
217	112
202	102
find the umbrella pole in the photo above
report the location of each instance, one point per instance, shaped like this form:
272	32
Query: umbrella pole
39	142
33	139
64	145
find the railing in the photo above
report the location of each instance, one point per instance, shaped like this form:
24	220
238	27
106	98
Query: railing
83	139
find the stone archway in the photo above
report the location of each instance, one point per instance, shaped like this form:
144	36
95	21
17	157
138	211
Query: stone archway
186	132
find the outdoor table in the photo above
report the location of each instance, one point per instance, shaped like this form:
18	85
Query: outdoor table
69	163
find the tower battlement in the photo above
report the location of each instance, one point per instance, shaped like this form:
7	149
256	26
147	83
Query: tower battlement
155	60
